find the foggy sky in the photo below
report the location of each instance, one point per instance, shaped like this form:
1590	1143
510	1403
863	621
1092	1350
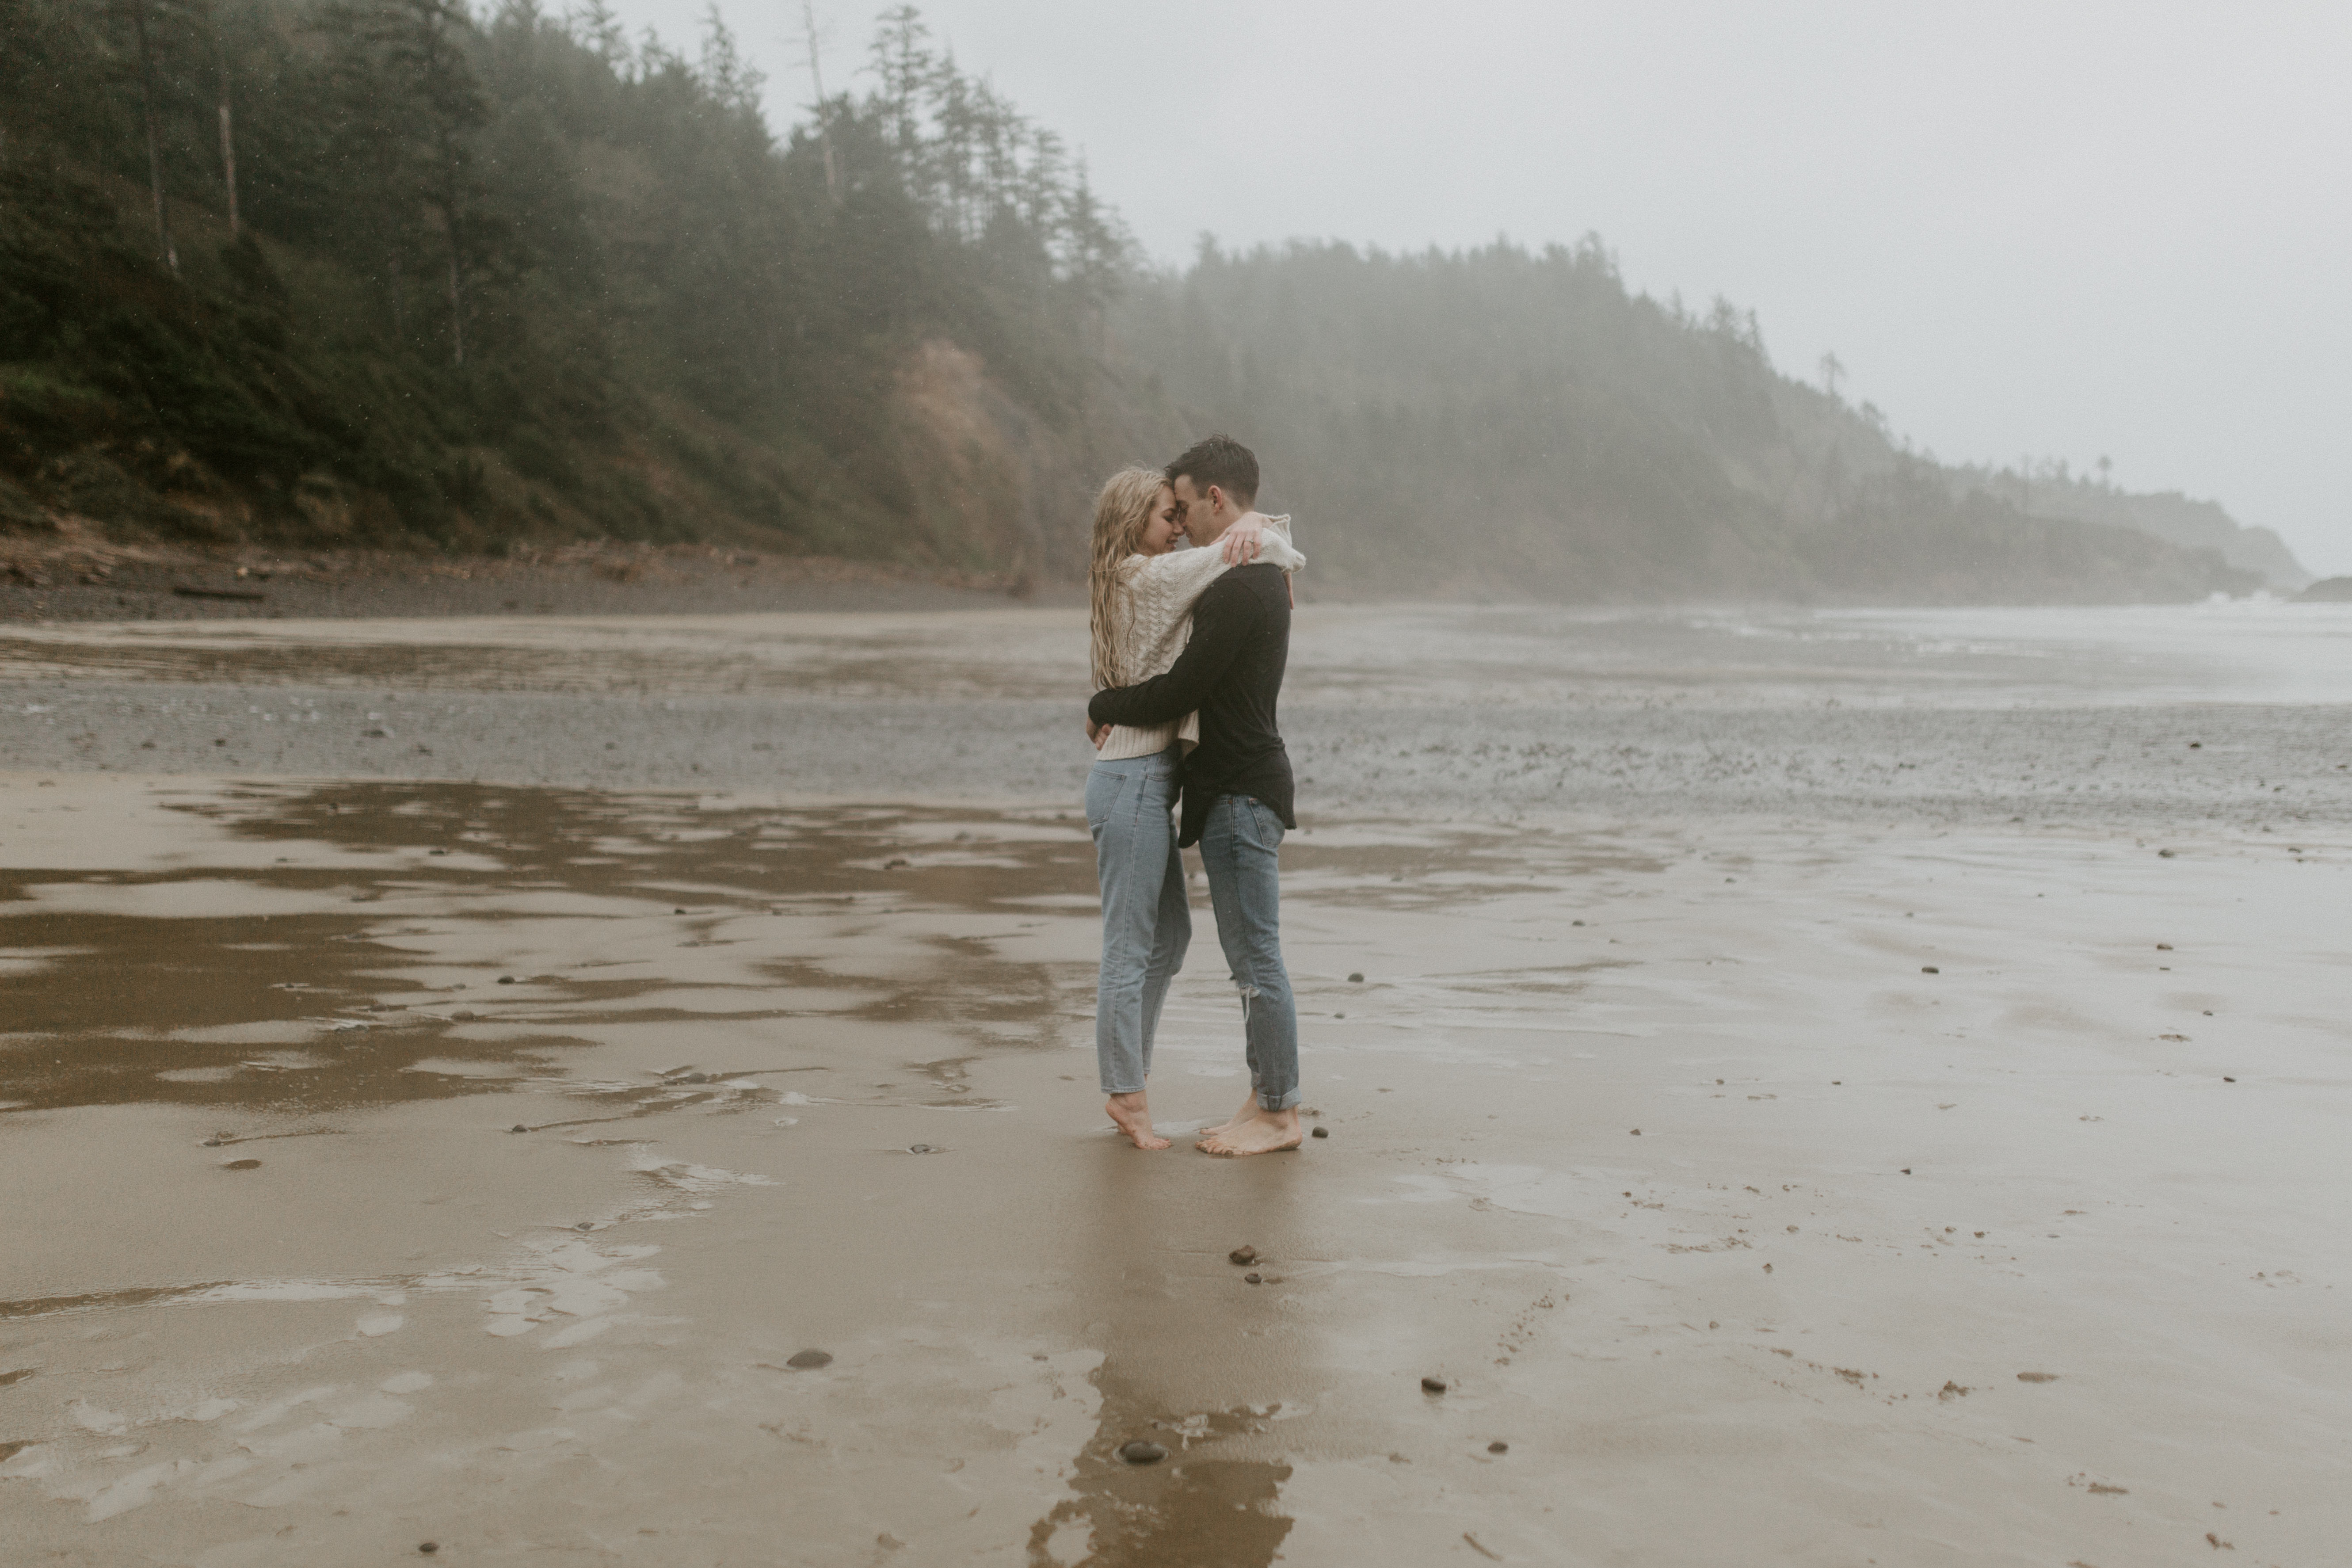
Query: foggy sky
2119	228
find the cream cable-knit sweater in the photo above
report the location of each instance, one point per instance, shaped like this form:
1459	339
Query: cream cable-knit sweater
1160	591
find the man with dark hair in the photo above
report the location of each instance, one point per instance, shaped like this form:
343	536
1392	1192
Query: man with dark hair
1237	788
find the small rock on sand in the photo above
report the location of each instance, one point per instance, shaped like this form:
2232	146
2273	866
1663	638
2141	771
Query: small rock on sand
517	1127
1321	1132
1355	980
921	1149
805	1361
1242	1255
2037	1377
1499	1447
242	1165
1433	1386
1929	968
1252	1279
1142	1453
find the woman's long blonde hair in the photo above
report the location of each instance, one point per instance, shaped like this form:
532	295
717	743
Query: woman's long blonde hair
1122	513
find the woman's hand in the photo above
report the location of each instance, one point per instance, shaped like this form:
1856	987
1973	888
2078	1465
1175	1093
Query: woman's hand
1245	540
1098	733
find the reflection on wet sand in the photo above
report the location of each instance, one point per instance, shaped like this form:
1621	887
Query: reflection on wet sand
650	1095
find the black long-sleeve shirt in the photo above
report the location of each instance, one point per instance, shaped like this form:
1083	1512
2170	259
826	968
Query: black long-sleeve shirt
1231	672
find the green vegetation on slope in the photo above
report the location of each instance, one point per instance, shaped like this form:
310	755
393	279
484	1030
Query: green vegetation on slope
1504	421
474	281
519	279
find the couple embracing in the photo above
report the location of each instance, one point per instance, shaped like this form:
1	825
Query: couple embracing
1190	647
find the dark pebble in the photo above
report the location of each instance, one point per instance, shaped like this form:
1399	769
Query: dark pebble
1355	980
517	1127
1252	1279
1929	968
242	1165
1499	1447
462	1015
429	1547
1637	1133
1906	1170
1432	1385
215	1141
2164	947
1142	1453
678	911
804	1361
586	1225
2164	854
691	1078
506	979
921	1149
896	864
1242	1255
1320	1133
2228	1080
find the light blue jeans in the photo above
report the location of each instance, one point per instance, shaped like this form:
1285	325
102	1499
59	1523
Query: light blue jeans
1146	923
1238	848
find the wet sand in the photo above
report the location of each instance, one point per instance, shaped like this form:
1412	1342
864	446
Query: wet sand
1983	1208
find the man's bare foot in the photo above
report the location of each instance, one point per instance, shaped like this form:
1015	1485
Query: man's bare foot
1134	1118
1248	1110
1263	1133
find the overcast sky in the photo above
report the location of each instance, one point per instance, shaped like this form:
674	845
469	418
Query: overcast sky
2067	230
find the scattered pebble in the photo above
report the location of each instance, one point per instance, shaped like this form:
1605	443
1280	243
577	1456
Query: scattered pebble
2037	1377
805	1361
679	911
1142	1453
1252	1279
1637	1133
921	1149
1929	968
1320	1133
1242	1255
1499	1447
519	1127
462	1015
1433	1386
2228	1080
506	979
429	1547
896	864
2164	854
2164	947
242	1165
1356	979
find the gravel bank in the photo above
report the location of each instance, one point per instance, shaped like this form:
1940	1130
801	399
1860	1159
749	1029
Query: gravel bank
2139	768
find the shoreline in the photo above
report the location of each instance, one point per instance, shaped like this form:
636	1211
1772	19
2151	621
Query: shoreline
1815	1191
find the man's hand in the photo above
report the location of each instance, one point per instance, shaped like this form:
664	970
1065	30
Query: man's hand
1245	540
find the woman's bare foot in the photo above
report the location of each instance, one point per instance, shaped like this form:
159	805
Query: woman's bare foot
1134	1118
1261	1132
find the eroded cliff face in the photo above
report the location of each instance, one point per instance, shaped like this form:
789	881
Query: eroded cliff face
991	481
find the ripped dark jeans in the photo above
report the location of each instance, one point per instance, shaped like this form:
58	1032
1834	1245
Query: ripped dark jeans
1238	847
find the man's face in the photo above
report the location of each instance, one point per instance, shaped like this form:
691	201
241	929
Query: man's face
1199	509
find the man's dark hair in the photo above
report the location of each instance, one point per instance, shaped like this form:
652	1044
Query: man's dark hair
1222	461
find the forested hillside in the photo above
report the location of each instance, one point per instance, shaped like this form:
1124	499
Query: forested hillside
404	273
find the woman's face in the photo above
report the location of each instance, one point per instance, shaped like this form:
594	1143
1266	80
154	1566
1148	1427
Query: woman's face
1166	521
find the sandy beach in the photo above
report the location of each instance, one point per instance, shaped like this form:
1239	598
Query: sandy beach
1813	1088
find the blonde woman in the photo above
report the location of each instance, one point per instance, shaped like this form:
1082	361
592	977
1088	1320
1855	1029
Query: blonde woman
1143	590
